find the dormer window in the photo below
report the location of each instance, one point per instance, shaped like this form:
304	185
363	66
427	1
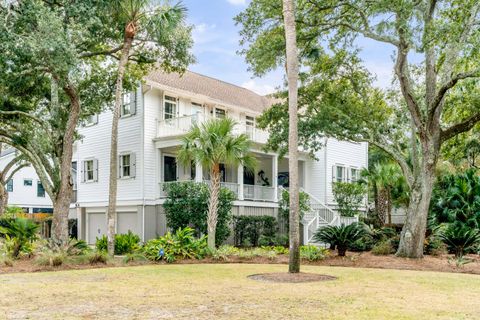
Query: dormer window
220	113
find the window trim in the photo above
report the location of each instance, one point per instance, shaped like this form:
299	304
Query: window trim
344	171
132	100
122	166
86	161
168	98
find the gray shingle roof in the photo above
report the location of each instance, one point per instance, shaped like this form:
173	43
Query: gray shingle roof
212	88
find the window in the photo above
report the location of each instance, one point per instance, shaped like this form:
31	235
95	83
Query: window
91	120
338	173
128	105
354	174
170	108
250	126
220	113
10	185
126	165
89	170
27	182
40	190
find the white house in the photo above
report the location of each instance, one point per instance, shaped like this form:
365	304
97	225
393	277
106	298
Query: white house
25	189
154	118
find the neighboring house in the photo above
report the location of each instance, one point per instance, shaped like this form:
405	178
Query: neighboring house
25	189
153	120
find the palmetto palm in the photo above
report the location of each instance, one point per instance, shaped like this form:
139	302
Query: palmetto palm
211	144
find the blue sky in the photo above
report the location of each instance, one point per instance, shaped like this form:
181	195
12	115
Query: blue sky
217	41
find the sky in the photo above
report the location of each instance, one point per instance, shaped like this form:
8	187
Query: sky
216	42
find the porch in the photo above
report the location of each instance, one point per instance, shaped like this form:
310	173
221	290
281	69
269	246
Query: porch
261	185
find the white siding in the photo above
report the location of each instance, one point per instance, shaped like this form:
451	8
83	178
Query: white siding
315	175
25	196
95	143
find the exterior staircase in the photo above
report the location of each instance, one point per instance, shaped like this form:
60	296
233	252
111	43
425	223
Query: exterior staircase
320	216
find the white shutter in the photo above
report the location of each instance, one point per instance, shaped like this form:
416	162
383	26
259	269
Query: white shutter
133	165
133	102
95	170
83	171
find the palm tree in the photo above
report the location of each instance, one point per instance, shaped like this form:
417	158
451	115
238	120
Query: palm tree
384	179
292	76
211	144
137	16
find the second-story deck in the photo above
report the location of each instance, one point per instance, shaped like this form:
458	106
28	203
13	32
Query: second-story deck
180	125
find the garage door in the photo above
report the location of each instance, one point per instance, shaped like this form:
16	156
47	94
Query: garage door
127	221
97	226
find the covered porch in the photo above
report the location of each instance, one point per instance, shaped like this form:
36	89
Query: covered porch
260	185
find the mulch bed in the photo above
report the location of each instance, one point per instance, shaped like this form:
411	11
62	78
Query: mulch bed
444	263
285	277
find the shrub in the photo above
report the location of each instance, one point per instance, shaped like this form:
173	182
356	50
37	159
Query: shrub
134	257
187	206
51	258
341	236
124	243
180	245
223	252
252	229
95	257
459	238
19	234
284	206
349	197
434	246
313	253
383	247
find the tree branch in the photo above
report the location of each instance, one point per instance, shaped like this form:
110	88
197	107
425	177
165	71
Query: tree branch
100	53
458	128
22	113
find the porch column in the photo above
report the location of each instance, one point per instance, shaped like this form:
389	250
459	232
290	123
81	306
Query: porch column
198	172
240	182
275	177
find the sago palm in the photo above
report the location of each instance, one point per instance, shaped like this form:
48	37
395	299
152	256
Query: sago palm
211	144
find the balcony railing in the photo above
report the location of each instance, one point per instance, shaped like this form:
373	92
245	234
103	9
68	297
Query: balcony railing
181	125
250	192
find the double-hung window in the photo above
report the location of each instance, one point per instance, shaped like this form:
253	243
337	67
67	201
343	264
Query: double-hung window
250	126
170	107
90	170
354	174
126	165
128	104
339	173
10	185
40	190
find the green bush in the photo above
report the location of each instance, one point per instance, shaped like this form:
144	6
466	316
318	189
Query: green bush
383	247
51	259
187	206
180	245
284	206
349	197
342	237
434	246
96	257
251	229
313	253
134	257
124	243
460	238
19	235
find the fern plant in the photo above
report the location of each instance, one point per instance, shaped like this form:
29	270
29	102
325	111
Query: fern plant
459	238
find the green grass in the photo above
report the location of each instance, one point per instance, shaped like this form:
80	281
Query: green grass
223	292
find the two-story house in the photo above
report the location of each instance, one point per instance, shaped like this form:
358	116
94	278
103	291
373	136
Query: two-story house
153	120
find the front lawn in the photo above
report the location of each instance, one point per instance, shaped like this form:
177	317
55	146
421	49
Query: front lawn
222	291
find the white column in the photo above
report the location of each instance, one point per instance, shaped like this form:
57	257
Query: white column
240	182
198	172
275	177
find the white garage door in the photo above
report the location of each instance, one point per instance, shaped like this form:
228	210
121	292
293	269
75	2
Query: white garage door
127	221
97	226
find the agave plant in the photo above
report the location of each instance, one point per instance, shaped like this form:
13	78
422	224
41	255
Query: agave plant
342	236
459	238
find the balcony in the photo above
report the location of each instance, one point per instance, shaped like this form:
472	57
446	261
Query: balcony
181	125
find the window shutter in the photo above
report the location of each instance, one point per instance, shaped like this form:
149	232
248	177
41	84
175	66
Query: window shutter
133	102
83	171
95	170
120	173
133	165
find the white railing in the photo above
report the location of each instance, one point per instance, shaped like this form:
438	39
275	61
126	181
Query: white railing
181	125
232	186
254	192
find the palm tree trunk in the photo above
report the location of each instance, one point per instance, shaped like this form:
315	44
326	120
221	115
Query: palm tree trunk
381	205
213	205
112	191
292	75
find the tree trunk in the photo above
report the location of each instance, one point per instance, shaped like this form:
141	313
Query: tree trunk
3	198
381	205
213	205
61	203
413	233
112	190
292	75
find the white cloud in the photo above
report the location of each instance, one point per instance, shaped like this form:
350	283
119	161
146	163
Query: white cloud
238	2
261	89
